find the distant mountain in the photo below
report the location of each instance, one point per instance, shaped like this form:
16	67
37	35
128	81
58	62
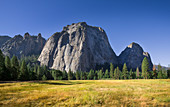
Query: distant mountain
163	67
133	56
27	45
78	47
3	39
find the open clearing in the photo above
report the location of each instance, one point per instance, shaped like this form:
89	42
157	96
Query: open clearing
86	93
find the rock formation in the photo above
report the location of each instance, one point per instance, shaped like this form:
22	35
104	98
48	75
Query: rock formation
133	56
27	45
77	47
3	39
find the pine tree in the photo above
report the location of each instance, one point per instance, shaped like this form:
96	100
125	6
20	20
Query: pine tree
56	74
65	75
106	74
90	75
116	73
85	75
111	71
70	75
24	75
154	72
95	75
137	73
168	73
81	75
125	71
77	75
7	73
100	75
145	68
131	74
44	78
14	68
2	66
160	74
164	72
39	73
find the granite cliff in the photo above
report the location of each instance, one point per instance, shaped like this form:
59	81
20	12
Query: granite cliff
77	47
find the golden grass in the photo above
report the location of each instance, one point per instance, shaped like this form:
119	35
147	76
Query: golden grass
87	93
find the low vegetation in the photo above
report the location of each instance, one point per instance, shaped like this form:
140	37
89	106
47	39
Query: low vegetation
140	92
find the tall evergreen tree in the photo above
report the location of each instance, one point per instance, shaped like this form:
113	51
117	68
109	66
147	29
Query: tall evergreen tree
125	71
106	74
56	74
15	68
168	73
131	74
24	75
77	75
81	75
39	73
164	72
65	75
100	74
111	71
145	68
70	75
117	73
137	73
7	73
160	74
2	66
95	75
154	72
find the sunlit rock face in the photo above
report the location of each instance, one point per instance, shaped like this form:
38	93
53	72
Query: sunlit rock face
133	56
78	47
27	45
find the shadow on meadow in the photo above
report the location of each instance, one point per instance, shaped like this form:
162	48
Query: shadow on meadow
65	82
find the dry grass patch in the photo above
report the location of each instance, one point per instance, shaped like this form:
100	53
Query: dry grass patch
86	93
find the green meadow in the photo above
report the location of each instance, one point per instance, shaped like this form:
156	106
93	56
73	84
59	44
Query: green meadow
86	93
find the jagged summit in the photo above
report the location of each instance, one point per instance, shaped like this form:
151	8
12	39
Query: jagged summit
77	47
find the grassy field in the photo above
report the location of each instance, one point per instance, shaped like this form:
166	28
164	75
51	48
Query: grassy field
86	93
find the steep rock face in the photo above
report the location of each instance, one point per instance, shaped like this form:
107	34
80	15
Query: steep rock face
26	45
78	47
3	39
133	56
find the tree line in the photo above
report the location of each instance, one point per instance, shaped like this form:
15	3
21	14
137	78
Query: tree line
14	69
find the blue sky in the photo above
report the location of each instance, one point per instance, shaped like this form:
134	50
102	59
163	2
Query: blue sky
146	22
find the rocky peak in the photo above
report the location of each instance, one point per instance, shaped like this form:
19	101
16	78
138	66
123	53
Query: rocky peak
134	45
78	47
26	45
26	35
39	36
133	56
